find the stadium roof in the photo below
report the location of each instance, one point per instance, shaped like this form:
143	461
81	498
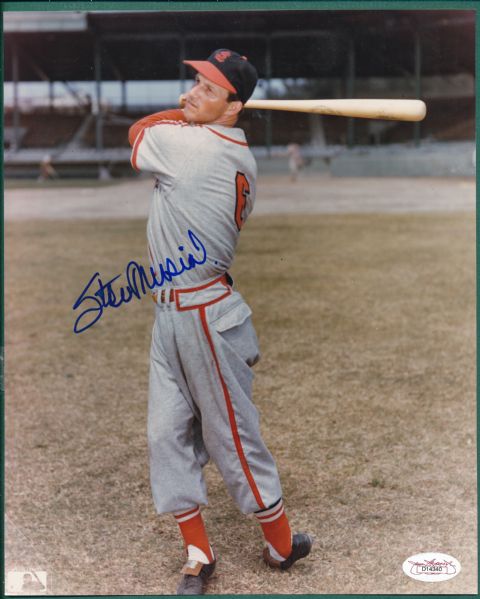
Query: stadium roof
145	45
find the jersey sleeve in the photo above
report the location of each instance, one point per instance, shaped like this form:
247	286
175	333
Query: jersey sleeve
175	114
163	147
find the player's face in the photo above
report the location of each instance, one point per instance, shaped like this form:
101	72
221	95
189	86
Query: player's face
206	102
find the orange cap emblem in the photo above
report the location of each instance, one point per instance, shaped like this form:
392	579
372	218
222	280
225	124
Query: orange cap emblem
222	56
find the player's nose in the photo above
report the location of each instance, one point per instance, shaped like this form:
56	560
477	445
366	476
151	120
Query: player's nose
193	97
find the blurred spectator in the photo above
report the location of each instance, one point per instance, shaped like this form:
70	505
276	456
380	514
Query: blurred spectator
295	161
46	169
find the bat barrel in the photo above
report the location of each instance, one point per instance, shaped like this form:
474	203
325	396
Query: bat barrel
401	110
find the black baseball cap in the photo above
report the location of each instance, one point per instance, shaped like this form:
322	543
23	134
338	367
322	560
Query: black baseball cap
229	70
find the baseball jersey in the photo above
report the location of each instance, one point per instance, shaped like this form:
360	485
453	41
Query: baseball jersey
205	185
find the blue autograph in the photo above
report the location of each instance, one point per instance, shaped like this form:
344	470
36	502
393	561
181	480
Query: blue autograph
138	282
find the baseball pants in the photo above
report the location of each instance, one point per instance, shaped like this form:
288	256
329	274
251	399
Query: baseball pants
200	406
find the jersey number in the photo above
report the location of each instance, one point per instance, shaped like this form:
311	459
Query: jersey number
242	187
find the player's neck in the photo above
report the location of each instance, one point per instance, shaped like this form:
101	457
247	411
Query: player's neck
226	120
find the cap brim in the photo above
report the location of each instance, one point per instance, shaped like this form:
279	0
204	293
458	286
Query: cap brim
210	71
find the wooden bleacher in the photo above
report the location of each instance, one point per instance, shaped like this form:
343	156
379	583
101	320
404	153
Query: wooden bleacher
49	130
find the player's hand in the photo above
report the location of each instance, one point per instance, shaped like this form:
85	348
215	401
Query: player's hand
182	100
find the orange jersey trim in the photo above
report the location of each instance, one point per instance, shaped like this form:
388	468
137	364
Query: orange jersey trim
138	141
240	143
231	414
175	114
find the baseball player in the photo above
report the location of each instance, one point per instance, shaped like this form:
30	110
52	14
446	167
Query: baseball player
203	341
295	161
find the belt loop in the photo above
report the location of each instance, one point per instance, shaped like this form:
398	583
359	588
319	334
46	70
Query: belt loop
171	296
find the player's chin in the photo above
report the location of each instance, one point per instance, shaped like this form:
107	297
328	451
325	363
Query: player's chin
191	114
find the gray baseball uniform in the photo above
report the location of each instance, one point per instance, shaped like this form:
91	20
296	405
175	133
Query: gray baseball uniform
203	340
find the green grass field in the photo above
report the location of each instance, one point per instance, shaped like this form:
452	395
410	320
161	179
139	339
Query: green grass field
366	390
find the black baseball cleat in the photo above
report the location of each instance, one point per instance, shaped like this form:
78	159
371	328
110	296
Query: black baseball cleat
195	578
301	547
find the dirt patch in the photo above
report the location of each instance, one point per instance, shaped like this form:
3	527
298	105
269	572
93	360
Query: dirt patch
276	194
366	391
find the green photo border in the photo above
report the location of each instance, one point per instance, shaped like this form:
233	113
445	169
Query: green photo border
230	5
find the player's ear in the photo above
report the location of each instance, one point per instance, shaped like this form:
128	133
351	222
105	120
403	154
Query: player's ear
234	108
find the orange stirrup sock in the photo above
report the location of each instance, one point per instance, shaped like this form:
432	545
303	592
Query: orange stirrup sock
276	529
194	535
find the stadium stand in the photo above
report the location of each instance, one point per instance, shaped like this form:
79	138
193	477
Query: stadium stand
93	46
46	130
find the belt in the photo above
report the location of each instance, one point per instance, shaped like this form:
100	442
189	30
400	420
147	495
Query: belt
172	296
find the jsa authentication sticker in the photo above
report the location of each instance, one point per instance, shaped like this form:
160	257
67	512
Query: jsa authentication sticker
26	582
431	567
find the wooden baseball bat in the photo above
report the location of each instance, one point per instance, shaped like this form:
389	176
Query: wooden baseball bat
394	110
